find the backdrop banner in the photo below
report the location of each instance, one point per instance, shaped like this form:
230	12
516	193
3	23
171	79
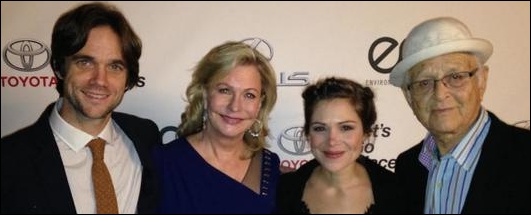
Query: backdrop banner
305	41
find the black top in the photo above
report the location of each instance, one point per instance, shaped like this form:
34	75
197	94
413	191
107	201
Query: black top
291	187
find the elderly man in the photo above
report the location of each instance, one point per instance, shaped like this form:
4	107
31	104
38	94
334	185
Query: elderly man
470	161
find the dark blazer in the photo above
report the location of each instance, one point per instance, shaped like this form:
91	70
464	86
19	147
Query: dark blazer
500	183
33	177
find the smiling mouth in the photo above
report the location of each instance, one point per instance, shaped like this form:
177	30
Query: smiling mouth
441	109
333	155
95	96
231	120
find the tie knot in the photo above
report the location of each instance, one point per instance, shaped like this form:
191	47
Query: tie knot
97	147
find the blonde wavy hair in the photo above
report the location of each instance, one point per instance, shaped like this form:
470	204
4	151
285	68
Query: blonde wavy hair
213	67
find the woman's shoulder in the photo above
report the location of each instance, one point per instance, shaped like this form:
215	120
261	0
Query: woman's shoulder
302	174
374	168
180	141
383	186
271	156
270	164
179	145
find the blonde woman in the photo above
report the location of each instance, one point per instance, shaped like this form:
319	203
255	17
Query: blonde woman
219	163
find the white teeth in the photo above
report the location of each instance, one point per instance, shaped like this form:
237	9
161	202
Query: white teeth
96	96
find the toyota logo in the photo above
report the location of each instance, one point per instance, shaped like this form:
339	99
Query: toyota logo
26	55
261	45
292	142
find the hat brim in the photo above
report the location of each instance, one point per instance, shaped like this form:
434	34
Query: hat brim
482	48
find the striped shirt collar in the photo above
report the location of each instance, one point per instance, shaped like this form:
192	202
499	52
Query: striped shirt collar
461	151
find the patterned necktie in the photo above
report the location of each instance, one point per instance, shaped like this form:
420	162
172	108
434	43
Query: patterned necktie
103	188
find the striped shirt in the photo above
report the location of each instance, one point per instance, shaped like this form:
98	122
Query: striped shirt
450	176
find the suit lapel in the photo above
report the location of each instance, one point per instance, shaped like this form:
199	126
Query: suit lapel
143	137
129	128
49	170
488	165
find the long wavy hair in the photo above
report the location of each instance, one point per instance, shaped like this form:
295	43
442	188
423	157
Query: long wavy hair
213	67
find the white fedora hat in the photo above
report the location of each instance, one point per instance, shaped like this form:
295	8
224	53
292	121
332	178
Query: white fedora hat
436	37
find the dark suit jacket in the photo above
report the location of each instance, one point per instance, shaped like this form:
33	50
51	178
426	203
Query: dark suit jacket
500	183
33	177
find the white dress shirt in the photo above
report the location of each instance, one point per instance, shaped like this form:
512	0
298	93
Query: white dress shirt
120	157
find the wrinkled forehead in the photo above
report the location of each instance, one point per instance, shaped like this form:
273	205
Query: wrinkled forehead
457	61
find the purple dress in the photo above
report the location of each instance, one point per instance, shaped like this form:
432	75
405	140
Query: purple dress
190	185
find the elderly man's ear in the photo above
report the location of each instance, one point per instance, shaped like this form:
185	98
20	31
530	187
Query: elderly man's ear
482	81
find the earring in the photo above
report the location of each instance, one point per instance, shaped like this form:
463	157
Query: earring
205	114
256	128
204	119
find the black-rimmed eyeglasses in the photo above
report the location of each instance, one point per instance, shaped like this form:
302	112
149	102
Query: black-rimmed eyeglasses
453	81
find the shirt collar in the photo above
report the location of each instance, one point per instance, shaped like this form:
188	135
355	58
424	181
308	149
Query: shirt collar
430	154
73	137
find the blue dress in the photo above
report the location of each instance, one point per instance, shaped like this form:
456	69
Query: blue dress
191	185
